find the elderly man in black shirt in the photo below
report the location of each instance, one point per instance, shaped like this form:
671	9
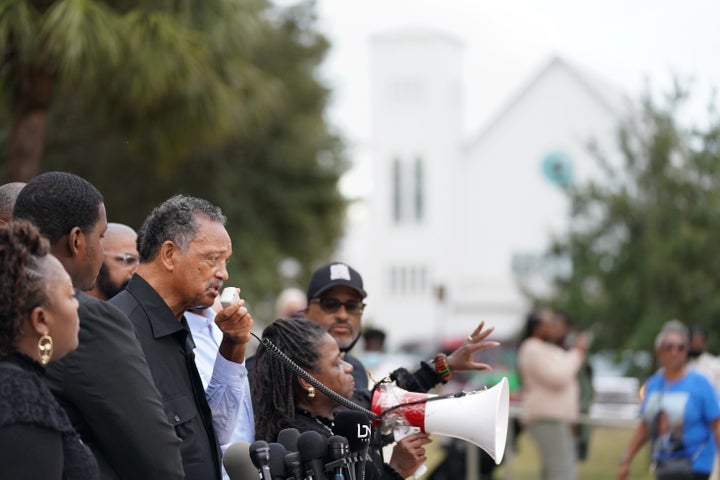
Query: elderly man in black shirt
184	248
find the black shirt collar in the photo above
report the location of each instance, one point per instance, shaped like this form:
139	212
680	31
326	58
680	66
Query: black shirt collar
162	321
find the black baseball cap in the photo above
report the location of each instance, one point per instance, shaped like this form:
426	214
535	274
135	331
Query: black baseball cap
332	275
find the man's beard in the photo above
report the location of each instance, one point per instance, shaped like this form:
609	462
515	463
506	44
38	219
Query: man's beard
105	285
351	344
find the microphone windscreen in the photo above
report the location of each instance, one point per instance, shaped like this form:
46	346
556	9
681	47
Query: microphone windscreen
293	465
237	463
277	460
288	437
337	447
259	453
311	445
353	425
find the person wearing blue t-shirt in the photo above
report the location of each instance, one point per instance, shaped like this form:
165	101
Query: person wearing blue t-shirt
680	411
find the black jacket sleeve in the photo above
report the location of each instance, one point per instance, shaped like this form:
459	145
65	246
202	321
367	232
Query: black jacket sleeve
420	381
108	392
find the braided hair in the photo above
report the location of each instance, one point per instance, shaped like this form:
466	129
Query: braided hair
273	384
23	279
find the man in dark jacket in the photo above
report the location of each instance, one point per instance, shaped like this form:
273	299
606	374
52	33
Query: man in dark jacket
335	297
105	385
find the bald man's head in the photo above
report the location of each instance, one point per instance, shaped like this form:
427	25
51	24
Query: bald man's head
119	230
120	262
8	195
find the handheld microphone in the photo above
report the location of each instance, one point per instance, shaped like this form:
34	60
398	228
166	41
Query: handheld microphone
293	466
288	437
337	453
277	461
260	456
355	426
237	463
312	447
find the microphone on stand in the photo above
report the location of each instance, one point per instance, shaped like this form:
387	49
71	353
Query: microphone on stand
337	454
260	456
237	462
277	461
293	466
355	426
312	447
288	437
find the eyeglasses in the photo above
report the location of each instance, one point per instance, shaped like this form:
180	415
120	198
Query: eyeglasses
332	305
668	346
127	259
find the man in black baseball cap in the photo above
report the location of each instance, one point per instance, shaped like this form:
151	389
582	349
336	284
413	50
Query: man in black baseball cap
335	300
332	275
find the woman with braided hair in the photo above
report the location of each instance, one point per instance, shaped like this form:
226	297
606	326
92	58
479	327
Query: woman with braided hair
38	324
284	400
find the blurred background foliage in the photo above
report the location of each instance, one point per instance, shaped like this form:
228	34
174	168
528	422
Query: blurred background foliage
219	99
223	99
643	237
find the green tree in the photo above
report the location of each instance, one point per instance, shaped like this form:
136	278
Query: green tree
275	178
164	69
643	236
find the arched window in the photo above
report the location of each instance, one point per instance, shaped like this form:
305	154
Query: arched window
419	190
407	190
396	190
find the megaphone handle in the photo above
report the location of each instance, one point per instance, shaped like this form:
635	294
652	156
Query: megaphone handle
403	431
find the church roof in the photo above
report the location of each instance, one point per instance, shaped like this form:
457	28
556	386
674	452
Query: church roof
606	95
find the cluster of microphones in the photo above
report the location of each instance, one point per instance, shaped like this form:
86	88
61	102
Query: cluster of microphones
305	456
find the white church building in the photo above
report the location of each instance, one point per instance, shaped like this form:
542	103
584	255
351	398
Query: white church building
452	224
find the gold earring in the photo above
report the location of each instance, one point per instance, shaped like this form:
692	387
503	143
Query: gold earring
45	348
311	392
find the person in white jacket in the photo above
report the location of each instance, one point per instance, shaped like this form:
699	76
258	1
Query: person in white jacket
550	393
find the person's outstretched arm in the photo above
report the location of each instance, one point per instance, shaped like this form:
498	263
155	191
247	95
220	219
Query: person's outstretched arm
462	359
636	442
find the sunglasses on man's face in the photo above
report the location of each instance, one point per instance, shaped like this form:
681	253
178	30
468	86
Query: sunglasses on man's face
668	346
127	259
332	305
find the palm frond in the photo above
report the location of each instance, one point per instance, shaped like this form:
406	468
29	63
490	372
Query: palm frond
80	39
232	25
18	29
162	56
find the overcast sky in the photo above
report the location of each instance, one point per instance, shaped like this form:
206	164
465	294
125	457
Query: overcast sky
624	41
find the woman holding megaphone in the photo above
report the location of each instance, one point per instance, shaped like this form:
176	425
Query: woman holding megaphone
286	400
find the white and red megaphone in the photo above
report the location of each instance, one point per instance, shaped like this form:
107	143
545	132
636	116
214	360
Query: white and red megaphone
479	417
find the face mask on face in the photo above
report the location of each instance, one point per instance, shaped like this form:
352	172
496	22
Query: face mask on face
694	353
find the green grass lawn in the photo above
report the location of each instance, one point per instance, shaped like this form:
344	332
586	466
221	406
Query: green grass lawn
606	447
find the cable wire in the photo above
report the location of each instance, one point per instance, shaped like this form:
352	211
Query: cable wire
280	355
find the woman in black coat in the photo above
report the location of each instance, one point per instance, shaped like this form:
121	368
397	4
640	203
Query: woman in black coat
38	324
285	400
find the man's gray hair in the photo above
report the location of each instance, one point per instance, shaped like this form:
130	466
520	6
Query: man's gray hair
672	326
176	220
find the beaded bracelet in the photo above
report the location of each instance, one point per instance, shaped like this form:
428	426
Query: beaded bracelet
442	368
